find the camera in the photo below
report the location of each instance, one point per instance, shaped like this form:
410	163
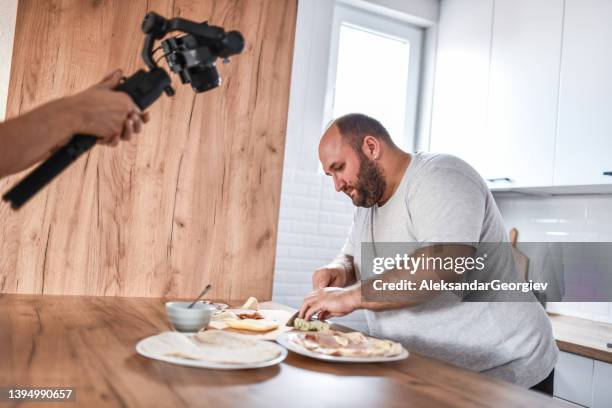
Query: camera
192	56
193	59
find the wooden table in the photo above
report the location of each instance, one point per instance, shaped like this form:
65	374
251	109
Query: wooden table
88	343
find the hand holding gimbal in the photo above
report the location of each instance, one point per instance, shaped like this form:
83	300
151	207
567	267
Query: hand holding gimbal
191	56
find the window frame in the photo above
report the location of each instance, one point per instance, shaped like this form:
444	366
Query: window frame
387	27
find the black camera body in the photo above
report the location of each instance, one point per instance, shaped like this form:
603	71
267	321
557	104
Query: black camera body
191	56
194	64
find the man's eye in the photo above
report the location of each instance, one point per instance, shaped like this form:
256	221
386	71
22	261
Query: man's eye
340	167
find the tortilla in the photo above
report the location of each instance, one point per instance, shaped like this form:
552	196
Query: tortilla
213	346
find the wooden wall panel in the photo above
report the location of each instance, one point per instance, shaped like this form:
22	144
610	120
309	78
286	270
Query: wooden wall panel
192	200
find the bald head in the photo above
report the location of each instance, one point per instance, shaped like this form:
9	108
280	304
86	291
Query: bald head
354	127
352	130
349	158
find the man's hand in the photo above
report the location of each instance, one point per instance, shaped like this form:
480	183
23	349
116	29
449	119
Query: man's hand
103	112
98	111
328	277
331	302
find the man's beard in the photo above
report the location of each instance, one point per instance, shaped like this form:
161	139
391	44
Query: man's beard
370	185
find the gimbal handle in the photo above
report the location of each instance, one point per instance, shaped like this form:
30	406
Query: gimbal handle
144	87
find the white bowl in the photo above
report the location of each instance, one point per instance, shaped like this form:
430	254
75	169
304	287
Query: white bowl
189	320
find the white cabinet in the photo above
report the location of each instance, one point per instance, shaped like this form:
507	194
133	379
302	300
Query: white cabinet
602	385
574	378
584	139
462	79
583	381
523	92
496	87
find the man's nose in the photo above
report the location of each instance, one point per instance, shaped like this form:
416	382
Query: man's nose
339	184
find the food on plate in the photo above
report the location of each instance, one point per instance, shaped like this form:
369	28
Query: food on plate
310	325
251	304
224	316
252	325
270	322
219	319
255	315
353	344
215	346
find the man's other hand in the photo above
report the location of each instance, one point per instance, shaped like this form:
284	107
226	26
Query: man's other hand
328	277
103	112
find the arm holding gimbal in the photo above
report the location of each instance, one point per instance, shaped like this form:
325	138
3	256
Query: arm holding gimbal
192	56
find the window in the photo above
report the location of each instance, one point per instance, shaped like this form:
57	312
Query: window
374	69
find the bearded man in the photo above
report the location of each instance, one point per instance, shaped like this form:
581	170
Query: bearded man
425	198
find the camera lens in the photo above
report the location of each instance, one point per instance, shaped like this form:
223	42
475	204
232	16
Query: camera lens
204	78
233	43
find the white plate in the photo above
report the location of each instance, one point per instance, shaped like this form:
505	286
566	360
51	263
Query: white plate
284	340
207	364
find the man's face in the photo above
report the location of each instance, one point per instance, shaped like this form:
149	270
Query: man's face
353	172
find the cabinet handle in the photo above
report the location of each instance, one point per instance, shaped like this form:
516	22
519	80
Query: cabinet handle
607	173
495	180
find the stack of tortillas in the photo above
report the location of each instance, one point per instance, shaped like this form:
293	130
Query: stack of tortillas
215	346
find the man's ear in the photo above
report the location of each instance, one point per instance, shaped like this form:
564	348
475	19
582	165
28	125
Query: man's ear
371	147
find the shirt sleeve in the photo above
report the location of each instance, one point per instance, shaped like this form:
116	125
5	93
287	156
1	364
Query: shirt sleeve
447	206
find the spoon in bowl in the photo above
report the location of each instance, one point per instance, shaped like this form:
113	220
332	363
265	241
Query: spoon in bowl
204	292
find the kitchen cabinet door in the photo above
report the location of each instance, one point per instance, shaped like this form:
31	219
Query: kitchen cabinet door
461	79
602	379
574	378
584	139
523	93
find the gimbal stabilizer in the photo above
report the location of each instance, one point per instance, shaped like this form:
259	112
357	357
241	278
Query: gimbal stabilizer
192	56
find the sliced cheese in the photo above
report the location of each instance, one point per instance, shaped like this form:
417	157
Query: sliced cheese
252	325
251	304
